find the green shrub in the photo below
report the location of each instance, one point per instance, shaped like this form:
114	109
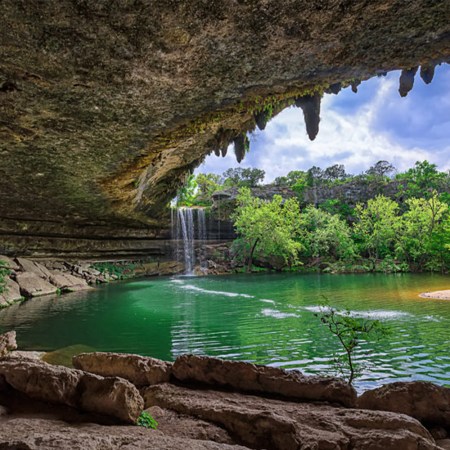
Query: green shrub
147	421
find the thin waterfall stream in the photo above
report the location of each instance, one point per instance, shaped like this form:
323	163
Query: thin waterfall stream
189	231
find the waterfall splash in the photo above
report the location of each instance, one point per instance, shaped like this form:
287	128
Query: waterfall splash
188	227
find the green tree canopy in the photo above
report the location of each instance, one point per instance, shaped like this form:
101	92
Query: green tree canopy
207	183
423	179
376	227
267	228
243	177
423	233
325	234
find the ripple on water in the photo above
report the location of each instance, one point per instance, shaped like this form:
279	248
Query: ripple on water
191	287
277	314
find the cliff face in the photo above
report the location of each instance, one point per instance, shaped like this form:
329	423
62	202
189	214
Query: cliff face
105	105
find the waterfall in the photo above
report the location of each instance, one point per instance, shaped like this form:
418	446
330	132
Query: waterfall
188	226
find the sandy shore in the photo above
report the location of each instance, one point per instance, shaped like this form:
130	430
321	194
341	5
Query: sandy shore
441	295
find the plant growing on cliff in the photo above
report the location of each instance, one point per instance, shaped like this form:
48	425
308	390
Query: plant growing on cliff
350	332
4	271
147	421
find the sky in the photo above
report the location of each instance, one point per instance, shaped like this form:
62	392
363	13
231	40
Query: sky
356	130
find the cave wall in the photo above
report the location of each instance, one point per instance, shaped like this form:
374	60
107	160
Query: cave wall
105	105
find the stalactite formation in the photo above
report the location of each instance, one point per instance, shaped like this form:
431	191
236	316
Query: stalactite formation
310	105
407	81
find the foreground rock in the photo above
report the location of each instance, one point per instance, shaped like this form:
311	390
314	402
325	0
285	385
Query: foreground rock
424	401
139	370
248	377
38	380
262	423
7	343
33	434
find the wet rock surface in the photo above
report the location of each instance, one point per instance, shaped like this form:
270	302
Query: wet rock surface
139	370
248	377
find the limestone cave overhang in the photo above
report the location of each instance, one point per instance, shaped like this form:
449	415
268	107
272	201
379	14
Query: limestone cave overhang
106	105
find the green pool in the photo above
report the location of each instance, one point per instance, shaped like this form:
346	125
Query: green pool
264	318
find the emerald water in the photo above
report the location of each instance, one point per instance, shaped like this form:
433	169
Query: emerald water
262	318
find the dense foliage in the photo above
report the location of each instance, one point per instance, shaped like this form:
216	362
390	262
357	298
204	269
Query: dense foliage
402	224
267	229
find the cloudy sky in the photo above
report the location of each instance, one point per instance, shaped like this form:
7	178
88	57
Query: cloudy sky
356	130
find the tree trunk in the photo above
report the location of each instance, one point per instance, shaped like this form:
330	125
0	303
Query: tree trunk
250	258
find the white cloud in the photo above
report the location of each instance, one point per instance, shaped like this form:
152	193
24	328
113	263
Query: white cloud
349	134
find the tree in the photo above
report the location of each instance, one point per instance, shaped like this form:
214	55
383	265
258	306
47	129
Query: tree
292	178
422	237
207	183
267	228
376	227
314	176
240	177
334	173
381	169
350	332
423	179
186	194
325	234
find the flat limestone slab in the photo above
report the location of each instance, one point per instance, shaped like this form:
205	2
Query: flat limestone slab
439	295
31	285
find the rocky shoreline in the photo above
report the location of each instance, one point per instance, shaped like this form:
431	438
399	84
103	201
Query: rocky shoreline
207	403
28	278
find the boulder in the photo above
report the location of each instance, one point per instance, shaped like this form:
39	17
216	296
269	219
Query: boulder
31	285
67	282
111	396
9	263
428	403
33	433
11	293
32	266
7	343
263	423
139	370
38	380
246	377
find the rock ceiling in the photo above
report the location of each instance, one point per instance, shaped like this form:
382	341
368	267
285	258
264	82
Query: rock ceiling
105	105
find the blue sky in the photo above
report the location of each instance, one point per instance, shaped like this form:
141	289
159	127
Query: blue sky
356	130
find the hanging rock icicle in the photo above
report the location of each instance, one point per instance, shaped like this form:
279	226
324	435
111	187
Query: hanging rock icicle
334	88
310	105
427	74
406	81
261	119
355	85
224	150
241	145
